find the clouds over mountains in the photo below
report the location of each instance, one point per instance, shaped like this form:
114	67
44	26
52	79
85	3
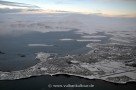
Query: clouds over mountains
12	7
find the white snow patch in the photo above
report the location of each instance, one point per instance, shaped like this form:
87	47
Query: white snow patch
43	68
37	45
42	56
89	66
88	40
98	36
73	61
66	39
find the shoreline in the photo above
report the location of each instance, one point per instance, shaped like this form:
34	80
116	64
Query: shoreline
71	75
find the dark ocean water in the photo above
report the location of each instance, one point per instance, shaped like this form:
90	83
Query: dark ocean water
16	46
42	82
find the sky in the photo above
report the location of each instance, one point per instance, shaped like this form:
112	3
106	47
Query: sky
105	7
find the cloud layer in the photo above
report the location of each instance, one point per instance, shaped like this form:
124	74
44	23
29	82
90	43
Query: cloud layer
18	4
13	7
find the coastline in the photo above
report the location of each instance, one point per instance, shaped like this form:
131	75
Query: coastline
33	83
